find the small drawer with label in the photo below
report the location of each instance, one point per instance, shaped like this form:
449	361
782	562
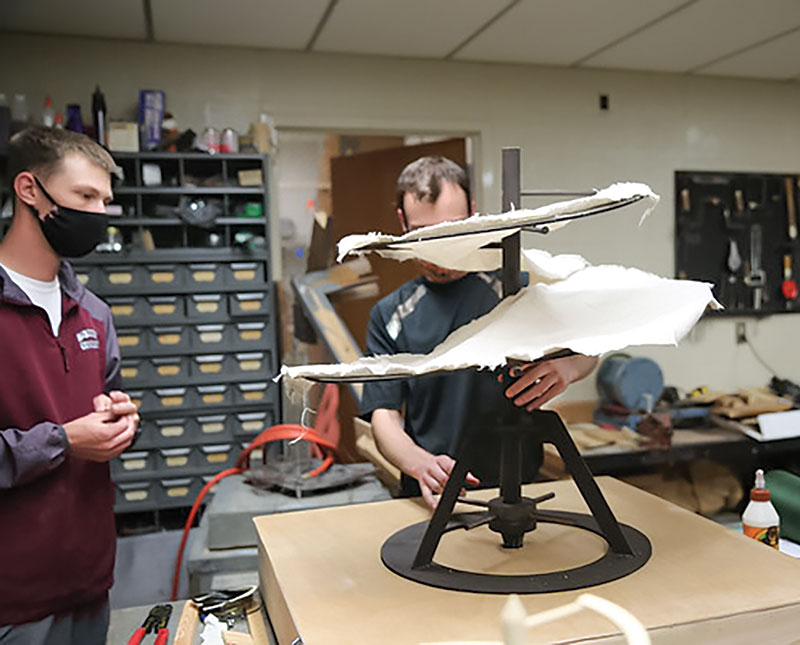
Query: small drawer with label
245	274
127	308
207	305
179	491
169	369
173	338
219	456
133	494
164	275
119	276
87	276
214	395
211	337
249	363
139	461
205	275
217	365
167	432
177	460
135	371
251	335
250	424
251	392
215	427
137	398
168	398
131	338
248	304
165	309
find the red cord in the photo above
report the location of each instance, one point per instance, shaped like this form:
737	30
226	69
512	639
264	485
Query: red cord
325	435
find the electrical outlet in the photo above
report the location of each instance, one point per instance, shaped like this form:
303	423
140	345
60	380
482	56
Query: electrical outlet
741	335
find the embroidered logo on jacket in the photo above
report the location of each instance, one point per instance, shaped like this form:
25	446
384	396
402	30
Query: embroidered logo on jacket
88	339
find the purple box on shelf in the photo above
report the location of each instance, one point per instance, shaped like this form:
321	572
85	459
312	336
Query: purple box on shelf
152	104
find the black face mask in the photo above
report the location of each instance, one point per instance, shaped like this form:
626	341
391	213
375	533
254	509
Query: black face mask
71	233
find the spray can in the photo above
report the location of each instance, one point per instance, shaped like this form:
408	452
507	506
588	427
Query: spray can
760	520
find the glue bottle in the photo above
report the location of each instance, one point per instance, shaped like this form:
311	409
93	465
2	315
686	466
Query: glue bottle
760	519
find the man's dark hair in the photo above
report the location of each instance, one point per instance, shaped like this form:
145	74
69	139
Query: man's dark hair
423	178
42	149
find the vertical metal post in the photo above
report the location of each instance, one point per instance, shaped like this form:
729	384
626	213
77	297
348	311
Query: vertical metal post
511	195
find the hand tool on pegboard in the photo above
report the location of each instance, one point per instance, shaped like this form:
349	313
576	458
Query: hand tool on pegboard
755	278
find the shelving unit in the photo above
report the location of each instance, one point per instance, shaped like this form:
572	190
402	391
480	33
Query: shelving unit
196	322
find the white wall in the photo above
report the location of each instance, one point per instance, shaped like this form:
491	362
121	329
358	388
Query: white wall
657	124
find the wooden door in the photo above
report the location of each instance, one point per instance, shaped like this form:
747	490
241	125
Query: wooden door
364	199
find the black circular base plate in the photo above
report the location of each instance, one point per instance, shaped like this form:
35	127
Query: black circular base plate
399	550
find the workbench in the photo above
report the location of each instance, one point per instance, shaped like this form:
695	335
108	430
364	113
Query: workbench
323	580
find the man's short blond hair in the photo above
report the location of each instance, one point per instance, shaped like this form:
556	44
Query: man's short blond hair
42	149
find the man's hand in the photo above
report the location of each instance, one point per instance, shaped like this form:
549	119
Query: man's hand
117	403
100	436
432	473
543	381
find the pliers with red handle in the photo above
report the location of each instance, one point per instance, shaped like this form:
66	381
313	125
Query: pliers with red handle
155	622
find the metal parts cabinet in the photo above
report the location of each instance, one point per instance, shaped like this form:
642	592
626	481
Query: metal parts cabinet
195	316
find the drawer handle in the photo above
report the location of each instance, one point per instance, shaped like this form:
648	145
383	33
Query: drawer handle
128	341
134	464
178	491
249	366
211	428
252	334
177	462
250	305
212	398
217	458
84	278
169	370
211	337
207	307
211	368
136	495
129	372
169	339
252	426
254	396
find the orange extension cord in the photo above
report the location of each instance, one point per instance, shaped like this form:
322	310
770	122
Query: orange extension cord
324	435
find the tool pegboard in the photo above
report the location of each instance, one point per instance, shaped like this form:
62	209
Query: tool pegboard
739	232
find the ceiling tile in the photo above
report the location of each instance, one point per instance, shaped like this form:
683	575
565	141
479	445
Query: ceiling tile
560	32
777	59
700	34
101	18
275	24
418	28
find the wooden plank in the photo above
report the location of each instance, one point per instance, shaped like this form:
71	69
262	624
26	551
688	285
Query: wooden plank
324	579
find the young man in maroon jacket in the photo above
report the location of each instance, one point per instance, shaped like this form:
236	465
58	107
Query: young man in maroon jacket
61	418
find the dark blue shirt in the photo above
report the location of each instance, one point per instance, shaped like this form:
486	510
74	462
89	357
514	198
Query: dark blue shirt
414	319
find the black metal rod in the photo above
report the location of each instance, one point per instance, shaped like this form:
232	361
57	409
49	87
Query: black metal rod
511	468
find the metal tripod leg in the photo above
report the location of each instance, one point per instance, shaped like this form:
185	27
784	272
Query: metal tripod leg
441	516
552	430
